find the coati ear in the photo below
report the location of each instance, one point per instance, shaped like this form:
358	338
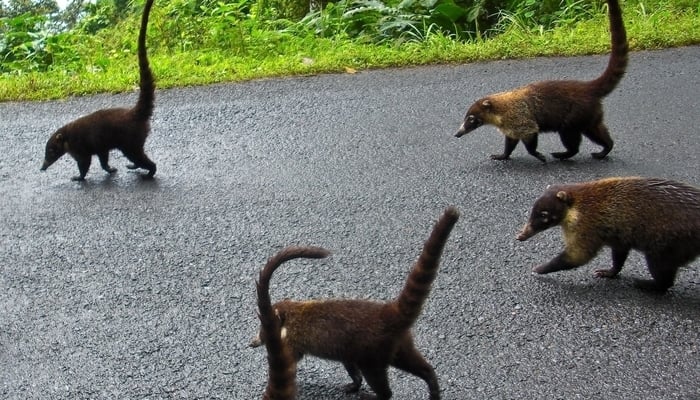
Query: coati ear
563	196
59	137
486	103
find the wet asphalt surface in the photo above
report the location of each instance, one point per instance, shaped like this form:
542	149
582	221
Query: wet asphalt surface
125	288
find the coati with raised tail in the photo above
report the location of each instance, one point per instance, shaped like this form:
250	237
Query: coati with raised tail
658	217
569	107
125	129
281	382
366	336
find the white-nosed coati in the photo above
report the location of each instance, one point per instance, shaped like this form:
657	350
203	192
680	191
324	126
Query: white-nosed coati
366	336
571	108
281	384
125	129
660	218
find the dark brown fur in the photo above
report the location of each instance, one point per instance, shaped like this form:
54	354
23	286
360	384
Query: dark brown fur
281	382
368	337
125	129
657	217
571	108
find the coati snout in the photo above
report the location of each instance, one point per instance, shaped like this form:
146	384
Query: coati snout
548	211
471	122
55	149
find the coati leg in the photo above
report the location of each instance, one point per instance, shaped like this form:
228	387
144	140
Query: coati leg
531	146
509	147
571	141
600	135
83	167
558	263
411	361
619	256
378	380
140	160
104	162
356	377
663	272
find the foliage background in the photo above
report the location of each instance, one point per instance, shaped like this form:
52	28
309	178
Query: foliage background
90	47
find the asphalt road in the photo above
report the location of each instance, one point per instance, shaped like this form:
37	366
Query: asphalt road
122	288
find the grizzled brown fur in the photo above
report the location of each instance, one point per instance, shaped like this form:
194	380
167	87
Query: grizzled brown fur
125	129
658	217
281	383
366	336
571	108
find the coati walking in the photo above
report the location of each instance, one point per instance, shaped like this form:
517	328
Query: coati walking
660	218
125	129
571	108
366	336
281	384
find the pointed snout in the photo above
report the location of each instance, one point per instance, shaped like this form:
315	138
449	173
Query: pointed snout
461	131
526	233
45	165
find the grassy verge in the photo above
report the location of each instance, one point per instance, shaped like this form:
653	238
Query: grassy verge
283	55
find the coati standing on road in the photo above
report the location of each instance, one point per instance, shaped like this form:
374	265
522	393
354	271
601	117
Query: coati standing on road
125	129
281	384
366	336
660	218
571	108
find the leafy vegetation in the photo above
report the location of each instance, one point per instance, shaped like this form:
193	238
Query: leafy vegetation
91	48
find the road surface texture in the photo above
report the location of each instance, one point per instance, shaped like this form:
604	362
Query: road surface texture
123	288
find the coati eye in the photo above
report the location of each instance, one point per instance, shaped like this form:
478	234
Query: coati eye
470	118
544	214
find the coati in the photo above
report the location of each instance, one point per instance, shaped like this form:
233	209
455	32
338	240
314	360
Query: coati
281	384
571	108
658	217
365	336
125	129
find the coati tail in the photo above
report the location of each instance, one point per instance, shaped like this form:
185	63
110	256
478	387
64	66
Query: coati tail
617	64
144	106
282	369
415	291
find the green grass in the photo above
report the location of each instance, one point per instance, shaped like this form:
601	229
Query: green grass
109	69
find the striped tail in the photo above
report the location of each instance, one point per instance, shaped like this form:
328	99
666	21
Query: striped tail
281	383
144	105
415	292
617	64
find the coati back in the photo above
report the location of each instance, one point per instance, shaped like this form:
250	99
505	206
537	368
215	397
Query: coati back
571	108
366	336
658	217
125	129
281	383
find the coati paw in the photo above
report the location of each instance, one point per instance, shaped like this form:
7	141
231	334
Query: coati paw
600	155
500	157
132	166
111	170
563	155
605	273
352	387
78	178
540	157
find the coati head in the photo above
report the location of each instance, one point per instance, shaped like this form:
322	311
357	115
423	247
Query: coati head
55	149
548	211
475	117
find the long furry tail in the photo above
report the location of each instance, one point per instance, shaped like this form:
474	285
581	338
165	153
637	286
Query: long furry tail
617	64
282	367
415	291
144	106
